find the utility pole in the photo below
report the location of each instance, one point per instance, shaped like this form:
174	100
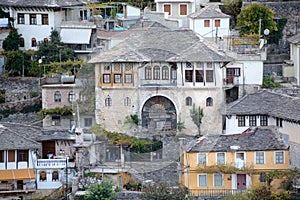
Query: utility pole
259	28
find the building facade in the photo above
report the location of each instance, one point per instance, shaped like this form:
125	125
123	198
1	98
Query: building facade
227	164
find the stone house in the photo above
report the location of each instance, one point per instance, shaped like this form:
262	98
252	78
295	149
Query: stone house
35	20
159	74
17	163
267	109
210	22
245	159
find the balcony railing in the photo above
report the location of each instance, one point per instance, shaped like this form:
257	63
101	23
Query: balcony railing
51	163
206	193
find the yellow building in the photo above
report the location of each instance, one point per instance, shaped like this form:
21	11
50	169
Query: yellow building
233	162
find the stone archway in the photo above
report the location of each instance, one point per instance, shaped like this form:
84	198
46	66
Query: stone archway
159	113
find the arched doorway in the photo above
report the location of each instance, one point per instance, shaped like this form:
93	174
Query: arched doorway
159	113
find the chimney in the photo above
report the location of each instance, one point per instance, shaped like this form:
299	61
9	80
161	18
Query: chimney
125	10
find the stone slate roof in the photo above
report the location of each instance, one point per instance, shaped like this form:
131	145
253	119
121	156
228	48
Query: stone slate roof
14	140
295	39
45	3
33	133
208	12
251	140
266	103
158	44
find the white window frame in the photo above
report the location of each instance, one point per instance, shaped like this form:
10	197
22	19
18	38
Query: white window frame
222	176
198	181
206	161
224	158
275	157
264	157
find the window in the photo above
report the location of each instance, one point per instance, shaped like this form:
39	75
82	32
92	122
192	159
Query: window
83	14
32	18
217	23
108	101
57	96
88	122
167	8
22	155
117	78
209	102
45	19
11	155
183	9
165	73
279	157
55	176
107	66
55	120
148	73
106	78
21	18
221	158
156	73
241	120
188	101
202	180
127	101
173	73
264	120
206	23
128	78
236	71
188	75
218	180
252	120
199	75
209	76
33	42
22	42
278	122
2	156
43	176
260	157
262	177
201	158
71	96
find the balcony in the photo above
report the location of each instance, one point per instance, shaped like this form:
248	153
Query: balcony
214	193
158	83
51	163
231	81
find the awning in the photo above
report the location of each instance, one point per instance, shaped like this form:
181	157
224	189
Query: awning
16	174
75	36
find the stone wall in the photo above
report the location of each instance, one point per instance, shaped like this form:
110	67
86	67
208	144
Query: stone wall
132	195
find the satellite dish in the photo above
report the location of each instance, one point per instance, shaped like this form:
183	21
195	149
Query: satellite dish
266	31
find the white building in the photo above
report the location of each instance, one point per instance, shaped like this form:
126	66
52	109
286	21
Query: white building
210	22
295	57
267	109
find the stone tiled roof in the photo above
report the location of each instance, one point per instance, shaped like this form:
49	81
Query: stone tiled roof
22	135
250	140
15	140
208	12
160	44
295	39
44	3
266	103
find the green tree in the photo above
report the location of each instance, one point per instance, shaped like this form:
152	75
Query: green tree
103	191
233	8
54	50
248	19
197	115
14	62
164	191
12	41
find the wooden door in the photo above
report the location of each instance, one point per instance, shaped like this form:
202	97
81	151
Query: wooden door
241	181
48	148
